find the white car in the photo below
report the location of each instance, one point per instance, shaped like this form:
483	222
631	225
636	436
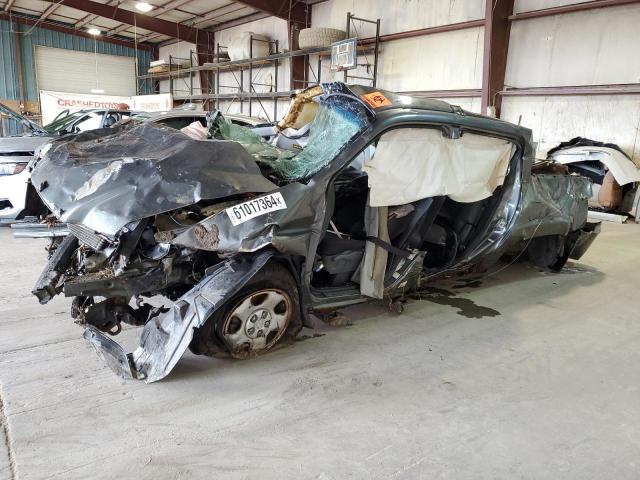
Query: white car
15	154
17	151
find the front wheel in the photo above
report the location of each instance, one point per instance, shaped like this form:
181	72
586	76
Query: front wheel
255	319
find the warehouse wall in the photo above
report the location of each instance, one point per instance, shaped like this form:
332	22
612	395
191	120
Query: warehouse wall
422	63
180	52
30	37
8	74
447	60
583	48
275	29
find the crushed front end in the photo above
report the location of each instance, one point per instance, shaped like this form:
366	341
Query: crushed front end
126	195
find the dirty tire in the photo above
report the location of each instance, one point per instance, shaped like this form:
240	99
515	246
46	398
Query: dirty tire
320	37
549	252
274	282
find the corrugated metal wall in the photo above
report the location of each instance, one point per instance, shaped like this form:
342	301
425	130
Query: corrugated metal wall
8	77
49	38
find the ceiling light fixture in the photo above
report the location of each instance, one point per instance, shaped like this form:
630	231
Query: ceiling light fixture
97	90
93	31
144	6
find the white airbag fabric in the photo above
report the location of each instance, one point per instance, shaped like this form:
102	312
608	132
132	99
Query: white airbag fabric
414	163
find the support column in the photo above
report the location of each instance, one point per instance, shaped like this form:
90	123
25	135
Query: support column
497	29
299	67
19	71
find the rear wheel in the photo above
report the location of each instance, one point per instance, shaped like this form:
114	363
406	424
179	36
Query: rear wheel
255	319
549	252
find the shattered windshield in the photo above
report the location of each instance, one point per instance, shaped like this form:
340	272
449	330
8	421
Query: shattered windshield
339	119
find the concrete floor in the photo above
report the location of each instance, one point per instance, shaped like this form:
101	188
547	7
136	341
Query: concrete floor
530	375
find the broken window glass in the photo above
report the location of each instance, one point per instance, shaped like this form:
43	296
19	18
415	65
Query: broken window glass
220	127
340	118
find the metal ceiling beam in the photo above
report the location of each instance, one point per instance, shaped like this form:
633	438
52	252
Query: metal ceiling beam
252	17
576	7
153	13
211	15
8	5
424	31
90	18
497	30
71	31
610	89
280	9
50	9
171	29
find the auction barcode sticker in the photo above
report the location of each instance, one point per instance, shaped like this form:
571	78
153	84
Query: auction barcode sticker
255	207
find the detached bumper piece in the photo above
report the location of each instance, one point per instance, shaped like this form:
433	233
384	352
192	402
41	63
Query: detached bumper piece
111	353
164	339
584	239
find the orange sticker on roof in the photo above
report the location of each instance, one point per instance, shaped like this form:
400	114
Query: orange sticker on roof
376	99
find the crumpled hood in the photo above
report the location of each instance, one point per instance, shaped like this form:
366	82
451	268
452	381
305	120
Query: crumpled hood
107	178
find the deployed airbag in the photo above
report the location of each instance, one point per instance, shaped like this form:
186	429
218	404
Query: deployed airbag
414	163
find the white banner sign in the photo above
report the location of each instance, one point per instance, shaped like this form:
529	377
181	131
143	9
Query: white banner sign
152	103
53	103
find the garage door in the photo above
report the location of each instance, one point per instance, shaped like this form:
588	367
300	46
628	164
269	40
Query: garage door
61	70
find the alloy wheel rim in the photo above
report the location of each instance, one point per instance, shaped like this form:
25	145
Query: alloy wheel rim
257	322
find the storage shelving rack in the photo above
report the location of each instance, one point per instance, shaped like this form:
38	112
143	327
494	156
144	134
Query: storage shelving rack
183	77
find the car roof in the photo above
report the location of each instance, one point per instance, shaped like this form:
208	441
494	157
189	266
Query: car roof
391	100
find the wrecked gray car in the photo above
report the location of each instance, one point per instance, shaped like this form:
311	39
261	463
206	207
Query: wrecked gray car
248	240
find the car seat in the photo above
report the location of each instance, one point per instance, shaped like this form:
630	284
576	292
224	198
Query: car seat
111	120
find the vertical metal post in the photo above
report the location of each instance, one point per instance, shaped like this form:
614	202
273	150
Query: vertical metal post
376	54
497	30
19	70
241	89
291	33
290	69
319	74
217	62
212	84
170	76
250	71
349	36
275	81
191	77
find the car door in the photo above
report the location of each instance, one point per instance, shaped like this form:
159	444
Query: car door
418	175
